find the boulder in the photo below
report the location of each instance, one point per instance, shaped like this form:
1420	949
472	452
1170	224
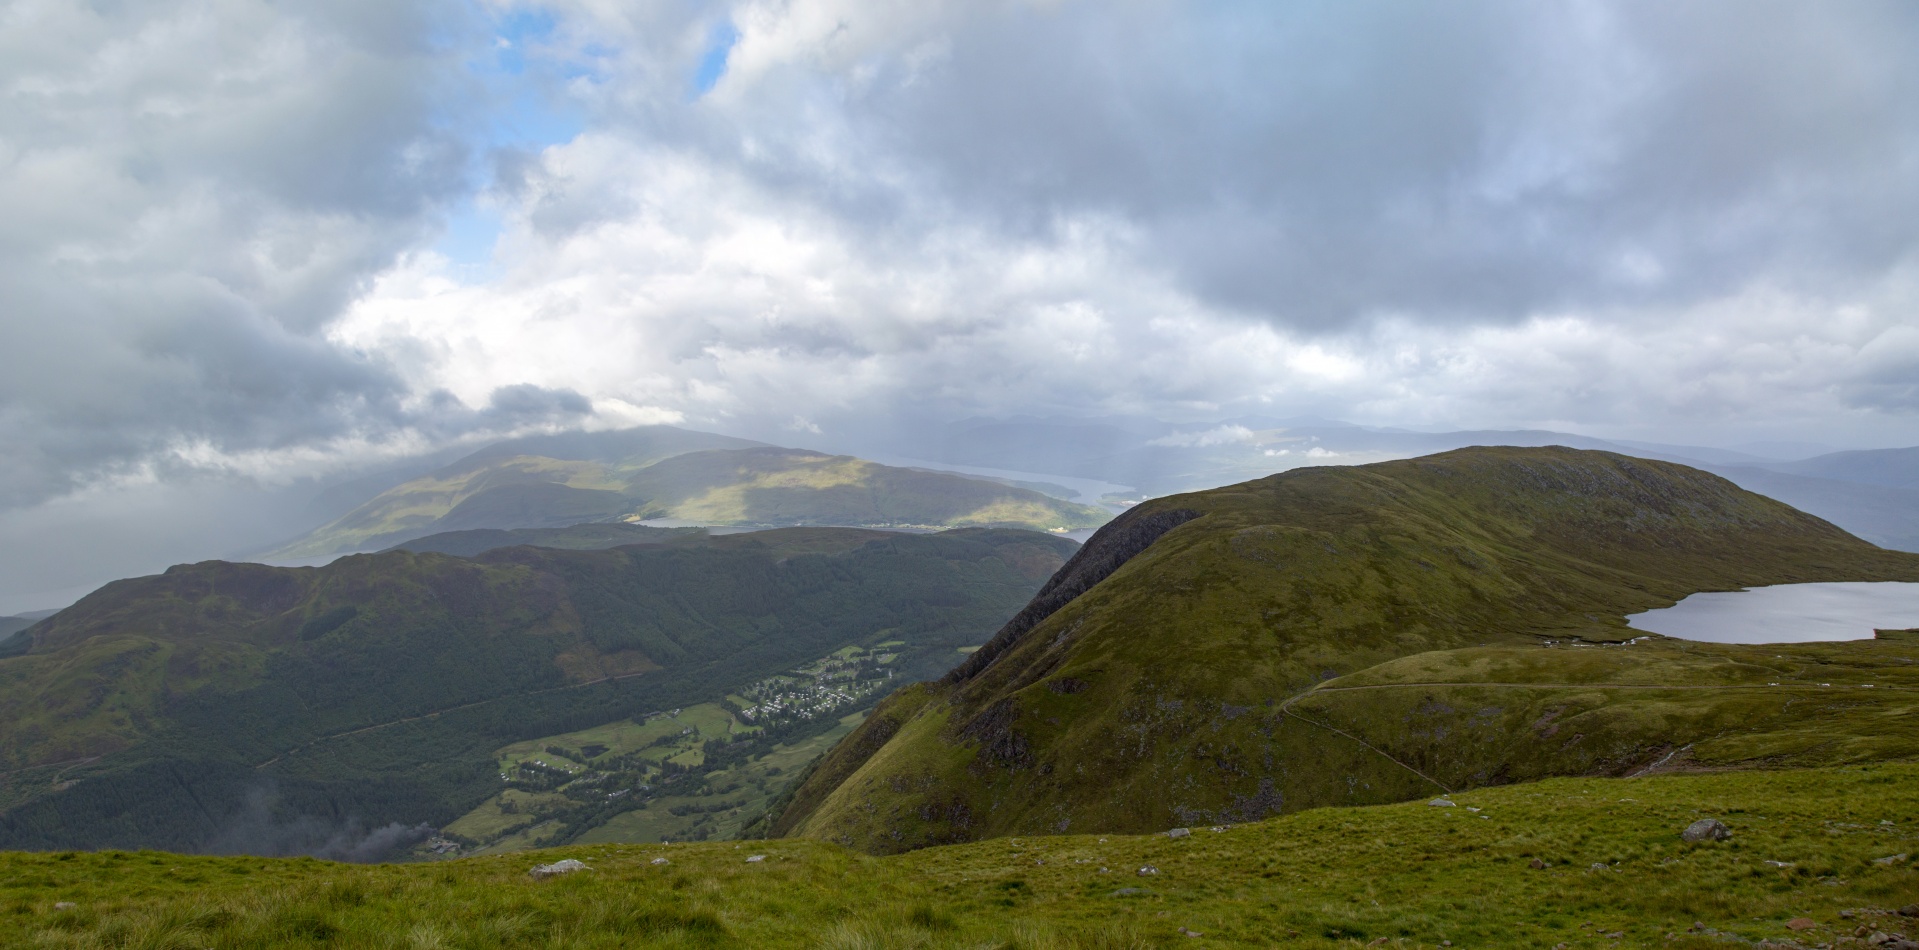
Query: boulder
556	869
1179	833
1706	829
1440	803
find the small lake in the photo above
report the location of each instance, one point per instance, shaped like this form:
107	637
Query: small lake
1788	613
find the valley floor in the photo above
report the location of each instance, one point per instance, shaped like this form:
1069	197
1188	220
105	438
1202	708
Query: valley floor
1828	849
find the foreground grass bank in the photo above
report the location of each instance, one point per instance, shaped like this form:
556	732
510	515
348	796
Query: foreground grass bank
1806	844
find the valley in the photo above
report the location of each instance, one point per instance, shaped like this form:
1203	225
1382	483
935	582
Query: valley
276	709
693	774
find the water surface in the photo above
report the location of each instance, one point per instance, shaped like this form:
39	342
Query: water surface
1788	613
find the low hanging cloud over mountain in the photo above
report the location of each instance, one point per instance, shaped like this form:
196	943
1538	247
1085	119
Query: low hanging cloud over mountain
260	240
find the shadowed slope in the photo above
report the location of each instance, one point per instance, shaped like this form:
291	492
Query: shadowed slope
377	687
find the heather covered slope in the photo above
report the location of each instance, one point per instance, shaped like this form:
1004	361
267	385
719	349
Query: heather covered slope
1167	675
377	688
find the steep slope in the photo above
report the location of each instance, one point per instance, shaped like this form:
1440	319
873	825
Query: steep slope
378	687
662	472
1162	677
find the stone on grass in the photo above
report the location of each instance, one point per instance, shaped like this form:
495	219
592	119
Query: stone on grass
1890	859
1148	870
65	905
1801	923
1440	803
1536	864
1179	833
660	861
1706	829
557	868
755	859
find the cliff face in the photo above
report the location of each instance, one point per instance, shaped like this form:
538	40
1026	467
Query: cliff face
1153	681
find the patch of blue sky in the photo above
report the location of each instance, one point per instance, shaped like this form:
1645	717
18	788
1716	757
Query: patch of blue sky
712	65
526	110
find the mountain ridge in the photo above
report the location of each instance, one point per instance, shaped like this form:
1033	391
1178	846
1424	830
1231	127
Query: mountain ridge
1152	696
655	472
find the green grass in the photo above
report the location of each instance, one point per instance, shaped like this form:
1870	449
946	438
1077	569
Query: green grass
1195	681
1805	843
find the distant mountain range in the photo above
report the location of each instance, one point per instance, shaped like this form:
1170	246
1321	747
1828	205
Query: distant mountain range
1369	634
661	472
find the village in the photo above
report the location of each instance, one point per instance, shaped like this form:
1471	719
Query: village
838	682
677	774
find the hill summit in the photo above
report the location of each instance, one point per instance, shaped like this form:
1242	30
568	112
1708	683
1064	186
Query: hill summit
1361	635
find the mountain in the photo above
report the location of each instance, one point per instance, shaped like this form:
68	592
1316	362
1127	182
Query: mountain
242	706
1368	634
11	643
1886	516
1890	468
579	537
653	472
1157	458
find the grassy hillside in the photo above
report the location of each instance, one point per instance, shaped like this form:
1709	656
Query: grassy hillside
260	708
662	472
1199	661
1815	857
579	537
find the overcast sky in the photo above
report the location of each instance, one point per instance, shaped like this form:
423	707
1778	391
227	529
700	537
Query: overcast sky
244	243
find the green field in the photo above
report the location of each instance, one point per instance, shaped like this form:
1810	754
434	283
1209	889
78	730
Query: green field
757	781
649	778
1828	846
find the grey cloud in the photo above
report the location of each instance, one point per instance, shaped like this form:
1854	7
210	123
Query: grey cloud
1317	164
189	193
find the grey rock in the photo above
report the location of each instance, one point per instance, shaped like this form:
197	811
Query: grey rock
755	859
660	861
1148	870
557	868
1180	833
1440	803
1706	829
1890	859
65	905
